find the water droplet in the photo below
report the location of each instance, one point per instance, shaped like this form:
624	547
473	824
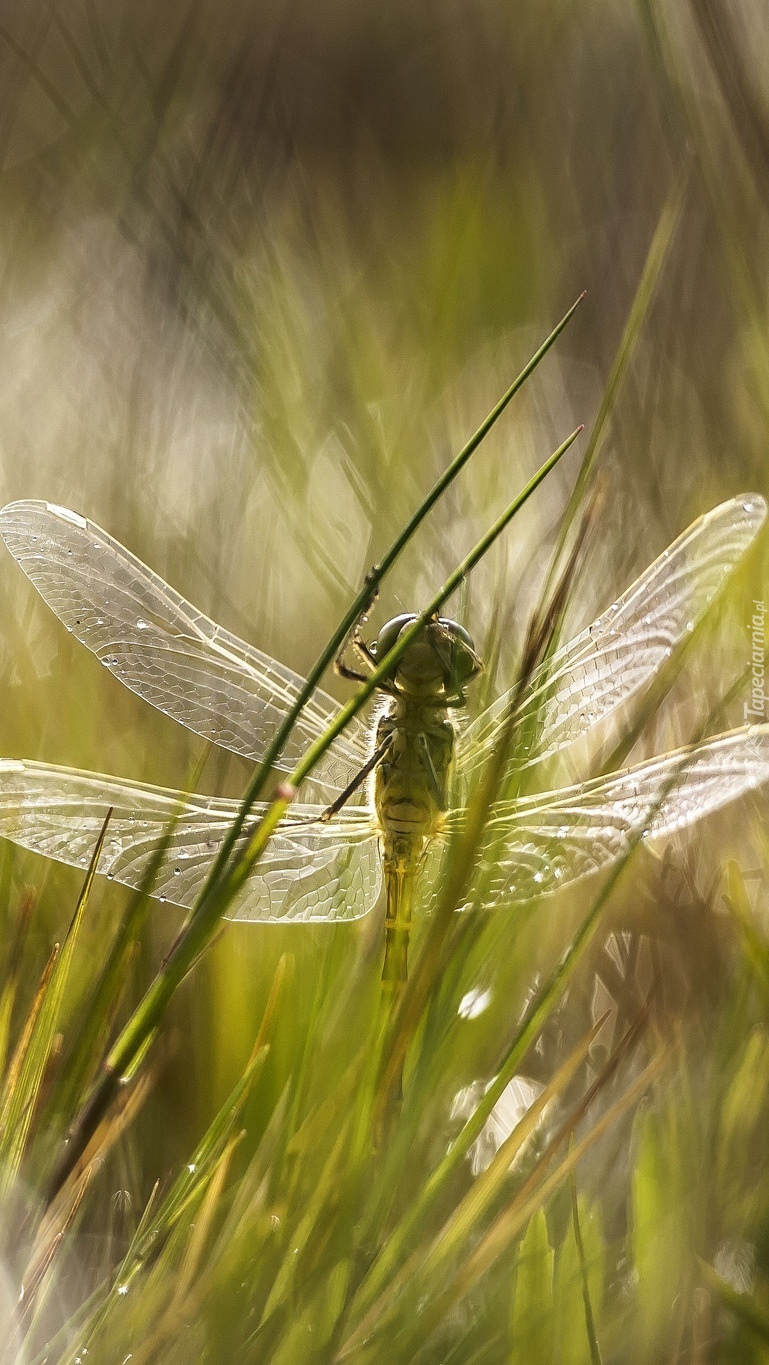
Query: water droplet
142	625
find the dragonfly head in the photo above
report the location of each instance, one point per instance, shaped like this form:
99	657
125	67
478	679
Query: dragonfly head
439	662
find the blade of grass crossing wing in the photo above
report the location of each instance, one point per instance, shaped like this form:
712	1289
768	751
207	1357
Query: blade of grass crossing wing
363	602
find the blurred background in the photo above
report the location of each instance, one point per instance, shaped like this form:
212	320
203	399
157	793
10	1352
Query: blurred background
265	267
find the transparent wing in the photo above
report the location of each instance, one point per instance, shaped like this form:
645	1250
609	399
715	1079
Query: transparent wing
166	650
543	843
613	659
309	871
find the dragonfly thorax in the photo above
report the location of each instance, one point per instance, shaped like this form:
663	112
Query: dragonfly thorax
439	662
412	778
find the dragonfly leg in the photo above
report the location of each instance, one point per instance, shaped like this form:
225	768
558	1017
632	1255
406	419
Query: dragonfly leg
345	671
358	779
362	648
355	638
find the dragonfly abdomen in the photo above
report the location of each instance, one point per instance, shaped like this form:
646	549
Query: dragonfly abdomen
410	793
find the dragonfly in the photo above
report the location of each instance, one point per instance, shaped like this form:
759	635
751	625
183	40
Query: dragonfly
328	859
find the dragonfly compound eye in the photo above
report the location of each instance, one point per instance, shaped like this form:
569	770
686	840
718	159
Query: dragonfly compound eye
464	661
390	633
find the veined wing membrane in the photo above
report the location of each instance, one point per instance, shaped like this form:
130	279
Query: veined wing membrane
164	649
539	844
309	871
610	662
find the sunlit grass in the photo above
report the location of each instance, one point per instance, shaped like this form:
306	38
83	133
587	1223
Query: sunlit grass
290	1231
248	346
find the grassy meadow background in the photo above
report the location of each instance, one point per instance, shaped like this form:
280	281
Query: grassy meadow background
263	269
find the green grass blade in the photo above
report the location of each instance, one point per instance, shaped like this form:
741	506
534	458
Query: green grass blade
20	1104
